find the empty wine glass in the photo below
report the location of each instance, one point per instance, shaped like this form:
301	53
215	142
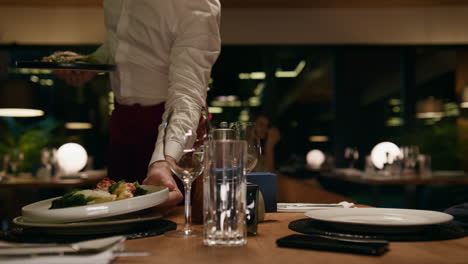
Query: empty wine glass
247	131
182	143
351	155
15	159
410	157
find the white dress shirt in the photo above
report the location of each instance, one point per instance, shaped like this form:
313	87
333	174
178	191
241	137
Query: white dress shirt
164	51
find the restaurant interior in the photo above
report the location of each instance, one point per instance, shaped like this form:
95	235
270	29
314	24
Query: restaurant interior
337	79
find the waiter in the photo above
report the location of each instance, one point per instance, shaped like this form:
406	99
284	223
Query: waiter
163	51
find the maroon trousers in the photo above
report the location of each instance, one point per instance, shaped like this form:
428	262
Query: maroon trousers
133	134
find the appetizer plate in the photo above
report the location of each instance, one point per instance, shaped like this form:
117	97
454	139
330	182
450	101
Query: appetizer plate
379	219
39	212
92	227
66	66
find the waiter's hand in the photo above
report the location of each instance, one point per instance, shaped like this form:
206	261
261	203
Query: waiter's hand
160	174
74	77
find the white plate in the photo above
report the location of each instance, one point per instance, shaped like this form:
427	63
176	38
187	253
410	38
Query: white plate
100	226
40	212
387	217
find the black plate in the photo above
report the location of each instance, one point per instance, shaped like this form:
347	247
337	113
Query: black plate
66	66
442	231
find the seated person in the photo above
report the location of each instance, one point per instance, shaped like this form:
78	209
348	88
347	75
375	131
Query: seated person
269	137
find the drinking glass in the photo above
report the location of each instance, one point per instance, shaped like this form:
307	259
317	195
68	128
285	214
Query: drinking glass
351	155
410	157
247	131
3	167
16	158
182	143
224	193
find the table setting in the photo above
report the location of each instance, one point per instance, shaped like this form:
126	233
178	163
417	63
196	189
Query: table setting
52	231
98	228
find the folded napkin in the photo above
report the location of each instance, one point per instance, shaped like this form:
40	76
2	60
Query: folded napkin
99	251
304	207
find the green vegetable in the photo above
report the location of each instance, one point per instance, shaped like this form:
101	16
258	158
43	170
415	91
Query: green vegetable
71	199
140	191
115	186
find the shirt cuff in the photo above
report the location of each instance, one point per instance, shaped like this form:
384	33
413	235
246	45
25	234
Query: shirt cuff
172	148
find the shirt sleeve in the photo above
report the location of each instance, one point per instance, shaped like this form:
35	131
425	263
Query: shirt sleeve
195	49
102	54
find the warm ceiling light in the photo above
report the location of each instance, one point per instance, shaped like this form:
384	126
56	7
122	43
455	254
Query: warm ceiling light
429	108
78	125
318	139
20	112
215	110
430	115
291	74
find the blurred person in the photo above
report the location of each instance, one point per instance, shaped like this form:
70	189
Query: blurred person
269	138
163	51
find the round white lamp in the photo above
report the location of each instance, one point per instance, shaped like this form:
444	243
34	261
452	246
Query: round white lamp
71	158
315	158
385	152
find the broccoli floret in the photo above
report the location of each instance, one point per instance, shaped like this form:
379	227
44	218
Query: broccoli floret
140	191
70	199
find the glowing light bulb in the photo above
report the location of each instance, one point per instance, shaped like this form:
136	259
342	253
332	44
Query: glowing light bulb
315	158
71	158
385	153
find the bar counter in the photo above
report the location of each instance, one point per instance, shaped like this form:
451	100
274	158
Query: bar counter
262	248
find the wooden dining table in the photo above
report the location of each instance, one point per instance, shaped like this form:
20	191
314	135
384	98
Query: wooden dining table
262	248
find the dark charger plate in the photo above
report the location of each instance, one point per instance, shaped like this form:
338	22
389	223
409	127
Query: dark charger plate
442	231
66	66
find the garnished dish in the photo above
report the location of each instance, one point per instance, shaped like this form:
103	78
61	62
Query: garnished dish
67	60
106	190
67	56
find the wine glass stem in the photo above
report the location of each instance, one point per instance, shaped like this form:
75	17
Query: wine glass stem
188	189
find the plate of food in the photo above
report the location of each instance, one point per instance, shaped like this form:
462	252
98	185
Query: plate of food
67	60
97	226
109	198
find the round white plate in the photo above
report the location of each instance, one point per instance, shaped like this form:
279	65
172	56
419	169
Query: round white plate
100	226
387	217
40	212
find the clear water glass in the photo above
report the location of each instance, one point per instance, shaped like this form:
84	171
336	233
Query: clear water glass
225	192
248	132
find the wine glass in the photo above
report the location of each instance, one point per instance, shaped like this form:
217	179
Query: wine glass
247	131
410	156
186	146
15	160
351	155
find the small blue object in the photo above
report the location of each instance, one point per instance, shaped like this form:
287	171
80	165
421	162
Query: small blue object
268	183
